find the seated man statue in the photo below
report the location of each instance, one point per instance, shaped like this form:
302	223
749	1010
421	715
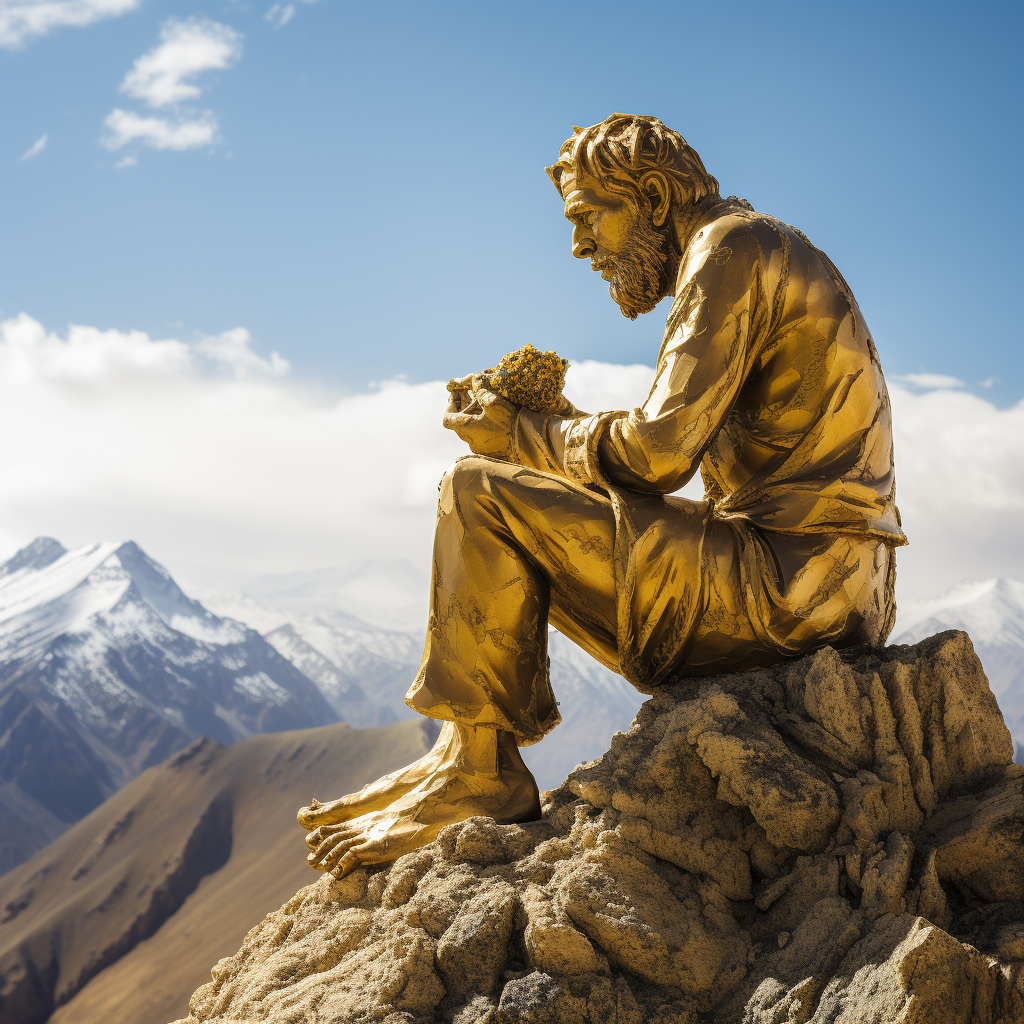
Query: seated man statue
767	379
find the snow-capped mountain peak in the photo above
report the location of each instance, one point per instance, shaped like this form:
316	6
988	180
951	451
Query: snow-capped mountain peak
37	555
107	667
992	611
42	598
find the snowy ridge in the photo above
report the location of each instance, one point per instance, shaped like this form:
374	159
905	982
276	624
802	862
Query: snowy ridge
38	604
992	611
362	626
107	667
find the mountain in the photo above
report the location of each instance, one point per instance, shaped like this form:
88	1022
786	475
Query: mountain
106	668
120	918
992	611
363	668
363	624
594	703
340	688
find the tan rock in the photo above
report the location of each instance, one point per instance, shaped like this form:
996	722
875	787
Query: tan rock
833	840
909	971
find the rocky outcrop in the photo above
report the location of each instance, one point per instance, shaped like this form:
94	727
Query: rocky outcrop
837	839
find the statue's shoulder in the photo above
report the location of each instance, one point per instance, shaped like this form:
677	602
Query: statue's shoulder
740	228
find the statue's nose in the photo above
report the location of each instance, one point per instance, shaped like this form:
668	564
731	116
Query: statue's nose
583	246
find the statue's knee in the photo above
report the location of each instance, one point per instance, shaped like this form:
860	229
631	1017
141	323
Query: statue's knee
464	479
466	476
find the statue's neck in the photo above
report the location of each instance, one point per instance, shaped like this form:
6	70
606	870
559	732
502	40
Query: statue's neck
686	222
689	219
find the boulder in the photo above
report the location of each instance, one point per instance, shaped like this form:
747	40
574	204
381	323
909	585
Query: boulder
835	839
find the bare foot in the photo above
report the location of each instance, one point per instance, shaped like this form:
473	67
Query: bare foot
485	776
379	794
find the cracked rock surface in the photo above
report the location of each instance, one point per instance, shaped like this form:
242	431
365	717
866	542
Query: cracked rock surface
838	839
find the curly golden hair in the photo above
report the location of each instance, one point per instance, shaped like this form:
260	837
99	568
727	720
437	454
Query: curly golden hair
620	150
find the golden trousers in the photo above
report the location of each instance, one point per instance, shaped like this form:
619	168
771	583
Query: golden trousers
516	548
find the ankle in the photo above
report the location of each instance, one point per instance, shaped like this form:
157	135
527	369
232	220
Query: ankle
510	760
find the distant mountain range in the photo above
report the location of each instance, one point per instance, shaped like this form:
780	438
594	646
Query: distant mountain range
364	624
992	612
106	668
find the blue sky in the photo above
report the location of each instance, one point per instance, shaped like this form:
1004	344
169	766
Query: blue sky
253	213
373	202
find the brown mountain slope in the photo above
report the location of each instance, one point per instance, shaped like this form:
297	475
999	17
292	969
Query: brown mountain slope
120	918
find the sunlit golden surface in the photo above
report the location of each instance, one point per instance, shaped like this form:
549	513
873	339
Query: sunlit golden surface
767	381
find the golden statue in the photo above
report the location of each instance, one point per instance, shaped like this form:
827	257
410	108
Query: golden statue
767	379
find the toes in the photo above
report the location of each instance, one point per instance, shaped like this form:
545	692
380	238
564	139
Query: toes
336	854
327	854
324	832
348	864
322	849
322	814
313	814
309	818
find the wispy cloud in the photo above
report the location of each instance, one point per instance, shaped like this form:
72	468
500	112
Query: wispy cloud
35	149
210	452
125	126
280	14
930	381
187	49
165	78
233	351
22	20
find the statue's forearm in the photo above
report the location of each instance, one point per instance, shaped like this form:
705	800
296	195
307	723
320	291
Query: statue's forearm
538	440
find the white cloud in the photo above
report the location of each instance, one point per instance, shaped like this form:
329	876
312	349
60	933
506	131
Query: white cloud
598	387
124	127
24	20
210	454
280	14
960	488
88	356
232	350
110	433
930	381
35	149
162	76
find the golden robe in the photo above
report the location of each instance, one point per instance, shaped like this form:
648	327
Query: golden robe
768	380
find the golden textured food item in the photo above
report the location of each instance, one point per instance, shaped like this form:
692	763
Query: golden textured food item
532	378
767	382
528	377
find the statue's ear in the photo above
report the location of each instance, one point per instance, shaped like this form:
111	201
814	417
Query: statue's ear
655	185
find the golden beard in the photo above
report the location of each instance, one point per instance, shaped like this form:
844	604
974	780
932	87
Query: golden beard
639	271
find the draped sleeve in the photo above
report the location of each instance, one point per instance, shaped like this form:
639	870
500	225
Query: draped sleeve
726	303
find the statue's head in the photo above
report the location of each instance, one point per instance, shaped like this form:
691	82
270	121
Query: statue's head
625	182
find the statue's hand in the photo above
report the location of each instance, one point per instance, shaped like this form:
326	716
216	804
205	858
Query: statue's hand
480	416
